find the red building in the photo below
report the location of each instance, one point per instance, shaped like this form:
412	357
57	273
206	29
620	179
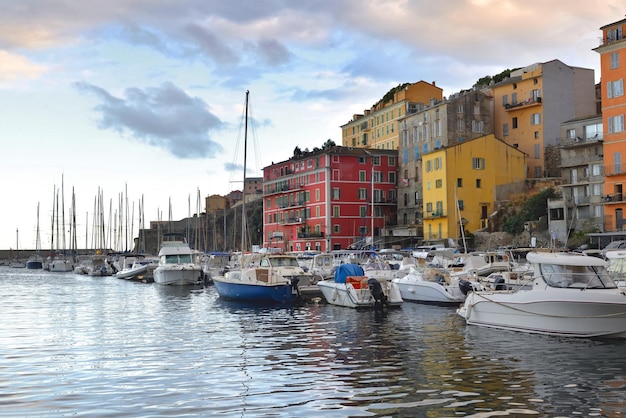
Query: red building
330	199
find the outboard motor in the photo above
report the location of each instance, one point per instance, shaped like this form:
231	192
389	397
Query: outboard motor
377	292
294	285
499	284
465	286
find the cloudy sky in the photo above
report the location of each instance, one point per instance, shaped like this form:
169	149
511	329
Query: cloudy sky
144	98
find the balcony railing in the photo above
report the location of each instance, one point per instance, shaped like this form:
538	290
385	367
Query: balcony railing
530	102
293	221
614	198
434	215
314	235
615	169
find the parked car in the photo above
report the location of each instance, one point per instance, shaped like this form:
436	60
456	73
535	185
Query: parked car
614	245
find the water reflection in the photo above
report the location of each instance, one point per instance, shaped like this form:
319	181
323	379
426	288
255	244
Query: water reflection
76	345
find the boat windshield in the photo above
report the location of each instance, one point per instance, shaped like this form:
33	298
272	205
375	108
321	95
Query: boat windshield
581	277
280	262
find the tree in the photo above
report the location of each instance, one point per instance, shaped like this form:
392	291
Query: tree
329	144
297	152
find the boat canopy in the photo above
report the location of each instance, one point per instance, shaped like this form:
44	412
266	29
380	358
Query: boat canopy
344	270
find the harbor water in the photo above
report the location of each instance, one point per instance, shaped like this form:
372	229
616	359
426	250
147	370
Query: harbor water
73	345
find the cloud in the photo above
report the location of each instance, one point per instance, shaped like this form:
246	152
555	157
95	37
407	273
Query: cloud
164	117
15	67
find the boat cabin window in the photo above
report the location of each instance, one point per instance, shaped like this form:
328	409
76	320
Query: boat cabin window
586	277
280	262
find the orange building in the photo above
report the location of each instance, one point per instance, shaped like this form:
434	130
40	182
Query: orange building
613	69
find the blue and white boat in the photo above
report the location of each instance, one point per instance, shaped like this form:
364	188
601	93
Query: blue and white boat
275	279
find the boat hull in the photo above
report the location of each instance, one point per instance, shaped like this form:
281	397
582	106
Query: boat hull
131	273
178	275
345	294
253	292
582	315
416	290
34	264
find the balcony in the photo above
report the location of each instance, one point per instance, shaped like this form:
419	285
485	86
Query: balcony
435	215
293	221
535	101
615	170
614	198
382	201
310	235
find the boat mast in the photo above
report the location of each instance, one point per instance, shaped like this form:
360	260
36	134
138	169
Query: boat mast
245	157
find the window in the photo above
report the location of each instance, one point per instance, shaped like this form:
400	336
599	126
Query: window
614	60
392	177
405	156
362	176
336	193
514	96
459	108
460	204
536	134
336	229
459	182
438	183
361	160
616	124
505	129
336	212
362	194
438	163
537	151
571	134
377	176
363	211
417	198
514	123
505	100
429	165
317	195
478	183
460	125
392	161
615	88
376	160
406	199
477	126
429	207
535	119
478	163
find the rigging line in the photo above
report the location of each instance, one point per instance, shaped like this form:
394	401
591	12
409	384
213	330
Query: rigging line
618	314
255	142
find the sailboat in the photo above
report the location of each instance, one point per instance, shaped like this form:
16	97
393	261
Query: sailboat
35	261
261	283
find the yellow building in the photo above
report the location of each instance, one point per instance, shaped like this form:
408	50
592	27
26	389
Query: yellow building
468	173
215	203
531	104
378	127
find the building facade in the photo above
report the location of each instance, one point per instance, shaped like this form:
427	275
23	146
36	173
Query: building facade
461	117
377	128
531	104
460	181
612	52
330	199
581	207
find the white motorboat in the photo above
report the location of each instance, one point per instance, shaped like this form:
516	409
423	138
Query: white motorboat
177	265
571	295
351	288
436	286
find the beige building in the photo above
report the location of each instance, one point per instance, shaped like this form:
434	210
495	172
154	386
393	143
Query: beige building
531	104
378	127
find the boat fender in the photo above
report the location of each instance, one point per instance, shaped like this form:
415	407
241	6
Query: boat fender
465	286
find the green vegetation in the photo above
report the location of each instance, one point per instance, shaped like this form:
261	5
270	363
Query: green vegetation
534	208
486	80
389	95
297	152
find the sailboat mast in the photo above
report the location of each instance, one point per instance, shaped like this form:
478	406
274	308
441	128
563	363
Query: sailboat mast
245	158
